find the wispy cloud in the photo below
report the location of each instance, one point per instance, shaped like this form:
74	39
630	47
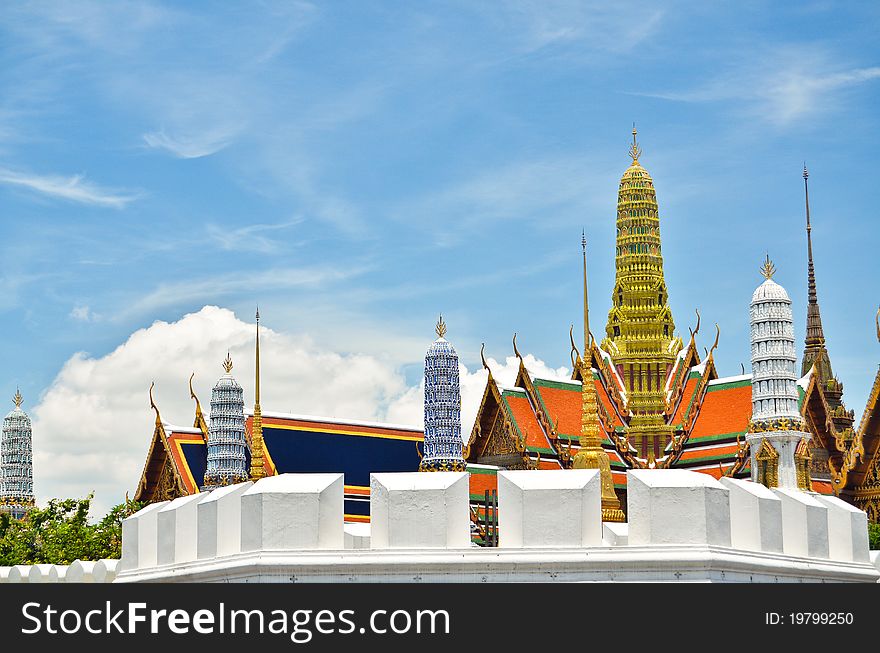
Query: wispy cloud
192	146
780	86
74	189
252	238
82	313
221	286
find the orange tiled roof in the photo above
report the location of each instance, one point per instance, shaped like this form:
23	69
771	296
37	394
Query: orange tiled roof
726	409
687	396
526	421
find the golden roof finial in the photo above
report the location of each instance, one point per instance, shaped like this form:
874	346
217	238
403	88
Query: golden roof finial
441	327
18	399
878	323
768	269
227	364
634	150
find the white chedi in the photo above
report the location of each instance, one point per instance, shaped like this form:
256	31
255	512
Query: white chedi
776	437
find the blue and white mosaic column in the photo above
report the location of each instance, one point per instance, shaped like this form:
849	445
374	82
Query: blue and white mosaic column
16	464
443	446
227	460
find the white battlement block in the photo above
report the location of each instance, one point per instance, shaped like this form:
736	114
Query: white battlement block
105	571
293	511
357	536
875	560
43	573
4	574
549	508
419	510
139	537
81	571
18	574
176	528
847	530
755	516
615	533
804	524
676	506
218	528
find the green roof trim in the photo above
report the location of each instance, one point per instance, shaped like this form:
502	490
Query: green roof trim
723	457
478	470
557	385
729	386
714	438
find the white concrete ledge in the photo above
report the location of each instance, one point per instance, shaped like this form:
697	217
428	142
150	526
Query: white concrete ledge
755	516
657	563
293	511
419	510
549	508
804	524
674	506
219	521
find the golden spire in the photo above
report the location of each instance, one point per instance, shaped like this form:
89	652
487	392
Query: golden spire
18	399
227	364
153	403
591	455
258	446
877	319
441	327
768	269
634	150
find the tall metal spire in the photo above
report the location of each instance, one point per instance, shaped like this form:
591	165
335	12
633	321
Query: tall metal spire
591	455
258	465
815	339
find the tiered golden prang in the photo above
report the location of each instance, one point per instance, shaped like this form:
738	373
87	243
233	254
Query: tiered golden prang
640	330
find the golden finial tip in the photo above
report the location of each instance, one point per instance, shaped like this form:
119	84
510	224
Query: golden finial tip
227	364
440	328
768	269
806	174
18	399
634	150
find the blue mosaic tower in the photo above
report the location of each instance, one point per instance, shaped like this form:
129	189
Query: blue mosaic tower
442	446
16	465
227	460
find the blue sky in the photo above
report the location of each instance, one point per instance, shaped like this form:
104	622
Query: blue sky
357	168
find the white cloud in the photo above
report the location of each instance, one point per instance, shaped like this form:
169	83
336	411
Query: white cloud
92	426
780	85
82	313
74	189
220	286
191	146
251	237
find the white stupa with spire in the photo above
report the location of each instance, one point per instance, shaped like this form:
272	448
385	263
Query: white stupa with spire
227	446
16	462
778	443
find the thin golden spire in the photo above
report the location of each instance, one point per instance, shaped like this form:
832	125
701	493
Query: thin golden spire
634	150
258	445
227	364
768	269
591	455
18	399
440	328
877	319
587	347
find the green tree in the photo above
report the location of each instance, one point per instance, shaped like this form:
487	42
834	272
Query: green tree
874	535
61	533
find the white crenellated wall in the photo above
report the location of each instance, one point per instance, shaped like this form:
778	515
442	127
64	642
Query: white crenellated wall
682	526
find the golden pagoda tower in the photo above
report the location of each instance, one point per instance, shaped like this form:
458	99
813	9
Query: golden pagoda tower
591	455
258	468
640	332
